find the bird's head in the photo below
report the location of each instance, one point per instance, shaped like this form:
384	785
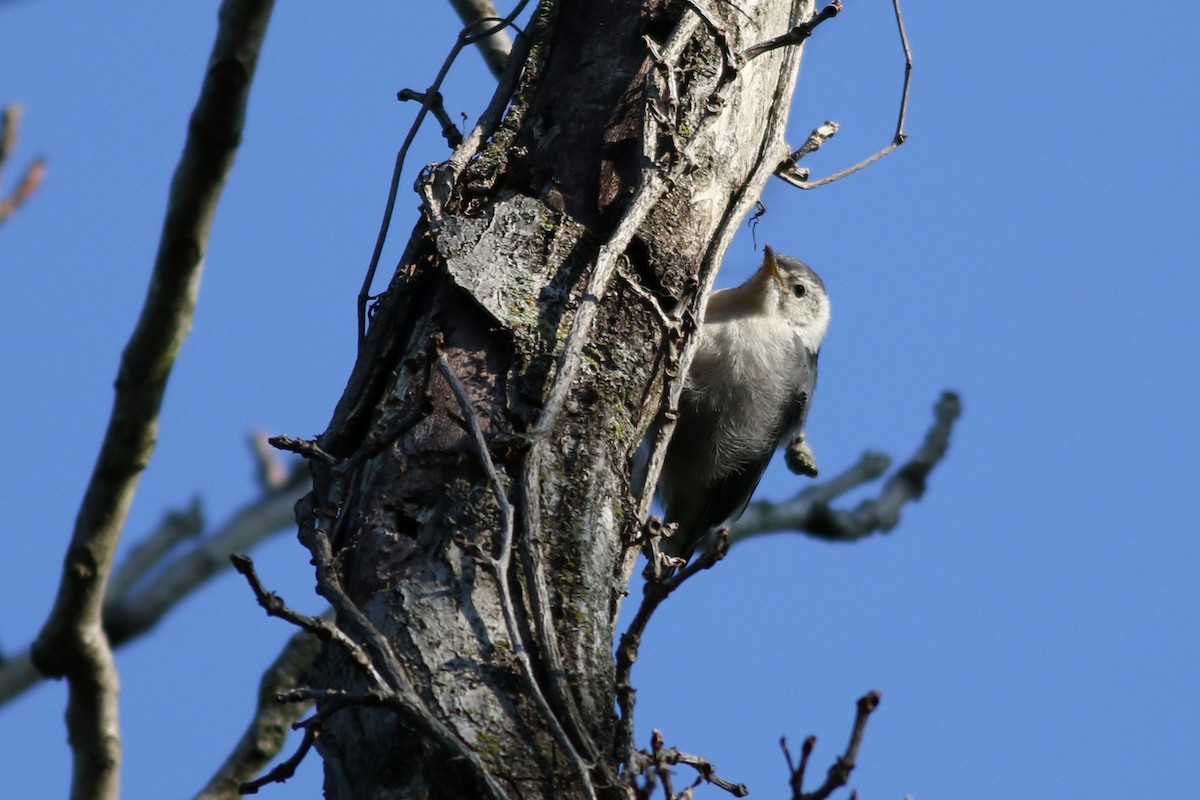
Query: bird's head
789	288
782	288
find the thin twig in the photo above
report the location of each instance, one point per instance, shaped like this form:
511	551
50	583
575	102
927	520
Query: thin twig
788	169
302	447
285	769
796	782
705	768
72	642
321	627
494	47
899	138
437	107
431	95
656	589
839	772
655	764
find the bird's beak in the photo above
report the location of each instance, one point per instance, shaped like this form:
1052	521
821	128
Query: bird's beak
771	267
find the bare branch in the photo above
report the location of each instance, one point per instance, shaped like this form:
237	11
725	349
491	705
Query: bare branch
175	528
320	627
656	765
132	612
809	512
657	588
72	642
797	772
496	46
273	716
143	589
31	180
706	769
839	773
787	169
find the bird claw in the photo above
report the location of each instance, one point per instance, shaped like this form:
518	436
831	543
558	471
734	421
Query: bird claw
799	457
672	562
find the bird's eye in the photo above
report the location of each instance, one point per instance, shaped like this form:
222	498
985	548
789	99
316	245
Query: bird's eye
799	290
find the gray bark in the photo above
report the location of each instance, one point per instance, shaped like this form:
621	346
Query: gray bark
473	484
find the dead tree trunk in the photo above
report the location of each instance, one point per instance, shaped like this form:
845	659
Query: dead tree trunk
473	521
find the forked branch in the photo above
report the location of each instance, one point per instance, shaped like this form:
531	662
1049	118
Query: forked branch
839	772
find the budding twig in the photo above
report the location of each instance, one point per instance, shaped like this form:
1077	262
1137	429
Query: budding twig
839	773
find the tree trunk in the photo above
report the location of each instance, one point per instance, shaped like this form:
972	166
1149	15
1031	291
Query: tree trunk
474	484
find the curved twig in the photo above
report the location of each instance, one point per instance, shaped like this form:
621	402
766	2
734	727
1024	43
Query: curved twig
787	169
496	47
431	96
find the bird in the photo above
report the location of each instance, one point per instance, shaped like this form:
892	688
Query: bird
747	392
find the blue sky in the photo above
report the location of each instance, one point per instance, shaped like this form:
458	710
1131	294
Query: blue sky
1032	623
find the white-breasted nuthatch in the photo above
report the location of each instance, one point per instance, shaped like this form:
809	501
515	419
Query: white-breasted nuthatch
747	392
